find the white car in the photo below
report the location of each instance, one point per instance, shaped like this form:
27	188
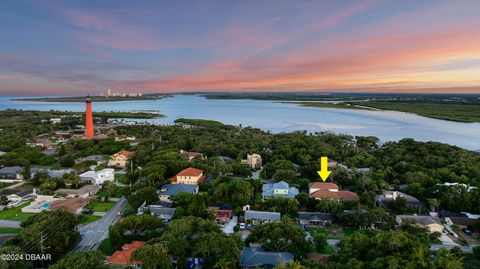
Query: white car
242	226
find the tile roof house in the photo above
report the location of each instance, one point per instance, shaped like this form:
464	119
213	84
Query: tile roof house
433	224
170	190
120	159
314	218
72	205
254	257
279	189
261	217
318	257
188	176
121	258
82	192
222	216
463	222
388	197
327	190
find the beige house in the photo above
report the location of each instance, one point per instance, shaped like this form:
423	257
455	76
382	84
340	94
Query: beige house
120	159
188	176
254	161
433	224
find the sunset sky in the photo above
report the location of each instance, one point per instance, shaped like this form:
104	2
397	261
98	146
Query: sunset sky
72	47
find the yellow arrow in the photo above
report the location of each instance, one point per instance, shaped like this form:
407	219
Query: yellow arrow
324	173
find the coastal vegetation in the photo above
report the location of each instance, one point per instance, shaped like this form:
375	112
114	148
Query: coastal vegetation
112	114
461	108
200	122
453	111
93	98
339	105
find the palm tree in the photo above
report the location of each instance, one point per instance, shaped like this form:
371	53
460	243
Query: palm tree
223	263
76	180
67	182
434	204
295	265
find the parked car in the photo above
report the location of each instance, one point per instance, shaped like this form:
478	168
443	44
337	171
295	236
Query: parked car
249	226
242	226
87	211
467	231
306	227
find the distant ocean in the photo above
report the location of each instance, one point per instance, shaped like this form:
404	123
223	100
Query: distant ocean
277	117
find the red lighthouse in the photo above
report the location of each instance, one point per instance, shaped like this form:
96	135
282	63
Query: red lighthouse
89	133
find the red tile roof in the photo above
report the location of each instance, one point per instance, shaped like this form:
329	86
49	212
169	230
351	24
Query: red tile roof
71	205
463	221
318	257
122	257
126	153
322	185
223	213
190	172
335	195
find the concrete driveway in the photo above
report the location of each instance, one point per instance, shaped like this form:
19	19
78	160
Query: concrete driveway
228	229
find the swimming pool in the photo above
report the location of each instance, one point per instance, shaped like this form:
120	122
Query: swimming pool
44	206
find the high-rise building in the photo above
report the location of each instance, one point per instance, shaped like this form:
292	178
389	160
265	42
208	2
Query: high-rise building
89	132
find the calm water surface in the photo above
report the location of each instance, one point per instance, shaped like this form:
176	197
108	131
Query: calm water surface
277	117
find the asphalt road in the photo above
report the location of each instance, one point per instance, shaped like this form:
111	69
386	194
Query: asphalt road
465	249
9	223
94	232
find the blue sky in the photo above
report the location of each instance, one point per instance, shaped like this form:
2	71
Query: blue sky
67	47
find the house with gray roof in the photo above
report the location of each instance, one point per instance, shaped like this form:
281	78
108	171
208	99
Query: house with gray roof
433	224
170	190
387	197
314	218
58	173
255	257
261	217
163	213
16	194
11	172
279	189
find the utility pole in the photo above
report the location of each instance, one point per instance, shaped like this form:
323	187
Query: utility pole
42	238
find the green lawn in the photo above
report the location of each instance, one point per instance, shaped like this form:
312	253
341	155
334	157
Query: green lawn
88	218
15	213
100	206
327	250
10	230
106	247
28	186
4	185
335	232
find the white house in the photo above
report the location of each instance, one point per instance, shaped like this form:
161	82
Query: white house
55	120
98	177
